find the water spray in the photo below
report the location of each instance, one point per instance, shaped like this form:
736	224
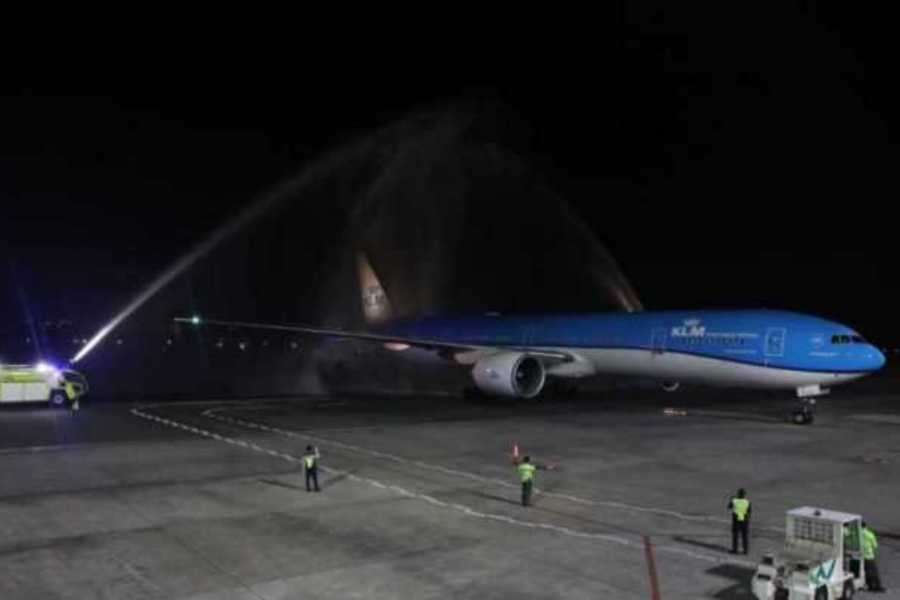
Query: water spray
176	269
251	213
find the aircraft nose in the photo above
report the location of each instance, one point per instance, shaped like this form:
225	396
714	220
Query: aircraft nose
877	358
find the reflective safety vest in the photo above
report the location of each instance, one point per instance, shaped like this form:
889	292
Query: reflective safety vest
526	472
869	543
309	461
740	507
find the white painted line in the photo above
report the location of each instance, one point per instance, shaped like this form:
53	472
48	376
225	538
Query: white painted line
212	414
636	544
877	418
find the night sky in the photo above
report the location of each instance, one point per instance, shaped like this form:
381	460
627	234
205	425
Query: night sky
726	159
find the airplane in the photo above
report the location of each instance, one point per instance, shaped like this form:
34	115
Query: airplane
513	356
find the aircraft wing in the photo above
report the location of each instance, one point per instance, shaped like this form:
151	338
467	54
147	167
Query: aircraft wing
381	338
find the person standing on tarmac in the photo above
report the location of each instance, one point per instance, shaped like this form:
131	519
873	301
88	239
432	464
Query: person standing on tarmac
870	549
70	393
311	465
526	476
740	520
526	471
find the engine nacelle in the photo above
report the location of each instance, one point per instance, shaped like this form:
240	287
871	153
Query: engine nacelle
670	386
510	374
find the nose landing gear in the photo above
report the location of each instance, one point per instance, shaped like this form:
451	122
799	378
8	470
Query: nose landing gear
805	413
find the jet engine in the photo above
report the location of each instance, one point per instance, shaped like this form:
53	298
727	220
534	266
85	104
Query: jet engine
670	386
510	374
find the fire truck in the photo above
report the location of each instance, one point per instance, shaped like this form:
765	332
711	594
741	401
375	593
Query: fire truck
40	383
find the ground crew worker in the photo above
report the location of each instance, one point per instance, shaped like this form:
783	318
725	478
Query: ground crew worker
311	464
740	520
526	476
526	470
70	392
870	548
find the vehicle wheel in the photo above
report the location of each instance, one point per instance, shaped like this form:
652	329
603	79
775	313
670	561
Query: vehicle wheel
822	593
849	591
58	398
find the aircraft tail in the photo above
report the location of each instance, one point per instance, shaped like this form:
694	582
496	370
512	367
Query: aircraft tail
375	304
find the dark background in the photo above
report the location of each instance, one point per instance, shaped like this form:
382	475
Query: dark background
726	158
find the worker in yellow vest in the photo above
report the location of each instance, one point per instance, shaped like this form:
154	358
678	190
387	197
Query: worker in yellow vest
526	476
311	465
73	396
526	470
870	549
739	507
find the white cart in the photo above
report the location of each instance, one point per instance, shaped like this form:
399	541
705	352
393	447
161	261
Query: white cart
822	558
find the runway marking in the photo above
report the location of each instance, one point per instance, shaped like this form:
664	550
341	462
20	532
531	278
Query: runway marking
877	418
467	510
212	414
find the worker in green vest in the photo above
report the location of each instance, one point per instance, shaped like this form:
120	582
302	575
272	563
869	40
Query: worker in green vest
526	470
739	506
526	476
311	465
870	549
72	395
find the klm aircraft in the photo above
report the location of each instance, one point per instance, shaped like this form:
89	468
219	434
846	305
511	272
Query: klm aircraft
514	356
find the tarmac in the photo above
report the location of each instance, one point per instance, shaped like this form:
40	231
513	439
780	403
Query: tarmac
206	499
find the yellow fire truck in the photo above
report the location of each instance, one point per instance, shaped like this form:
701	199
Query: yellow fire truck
40	383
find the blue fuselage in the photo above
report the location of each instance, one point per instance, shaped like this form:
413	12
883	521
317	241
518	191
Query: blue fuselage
752	342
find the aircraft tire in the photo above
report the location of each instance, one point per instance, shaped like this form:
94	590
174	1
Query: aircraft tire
801	418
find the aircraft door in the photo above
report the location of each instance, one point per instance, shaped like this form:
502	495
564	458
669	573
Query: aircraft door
775	341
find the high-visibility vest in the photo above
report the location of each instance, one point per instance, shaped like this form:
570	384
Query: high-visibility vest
309	460
740	507
869	543
526	472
